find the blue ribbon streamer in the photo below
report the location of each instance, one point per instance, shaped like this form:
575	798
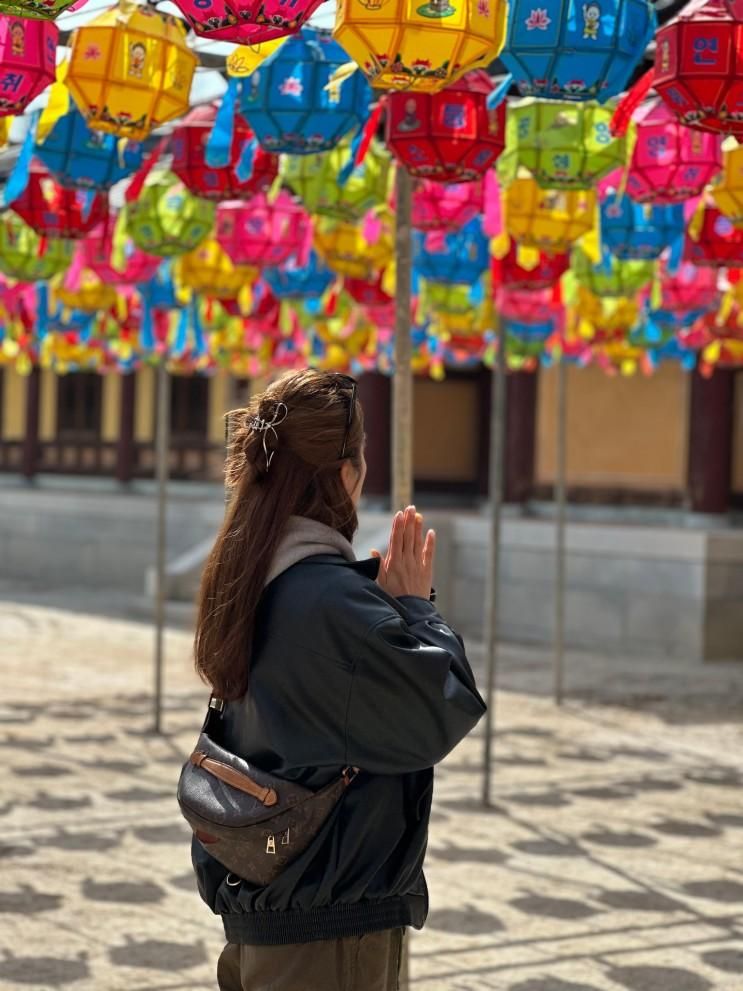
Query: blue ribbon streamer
675	255
42	310
499	93
198	327
18	178
345	173
219	143
244	167
147	327
181	336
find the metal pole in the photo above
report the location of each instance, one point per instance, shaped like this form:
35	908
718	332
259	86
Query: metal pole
402	382
162	444
497	452
559	658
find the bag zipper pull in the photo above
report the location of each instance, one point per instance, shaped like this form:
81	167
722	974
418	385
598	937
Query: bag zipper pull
271	845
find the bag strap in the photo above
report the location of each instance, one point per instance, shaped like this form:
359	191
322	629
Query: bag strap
230	776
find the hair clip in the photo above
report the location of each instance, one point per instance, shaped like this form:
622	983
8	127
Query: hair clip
262	426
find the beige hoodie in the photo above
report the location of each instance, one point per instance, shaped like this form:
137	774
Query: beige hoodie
304	537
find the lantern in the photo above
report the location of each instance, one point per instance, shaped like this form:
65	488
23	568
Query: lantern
527	306
264	232
451	136
576	49
78	156
550	220
294	281
438	206
246	22
453	256
422	45
257	168
316	180
130	70
699	67
28	59
82	289
688	288
611	277
290	103
114	257
166	219
728	190
55	211
524	268
26	256
713	240
42	10
670	163
452	309
639	231
209	270
372	296
601	319
563	145
354	250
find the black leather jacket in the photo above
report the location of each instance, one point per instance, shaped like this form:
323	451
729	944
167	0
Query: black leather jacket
343	674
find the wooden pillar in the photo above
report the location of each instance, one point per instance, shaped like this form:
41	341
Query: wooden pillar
125	444
711	441
31	436
375	395
521	399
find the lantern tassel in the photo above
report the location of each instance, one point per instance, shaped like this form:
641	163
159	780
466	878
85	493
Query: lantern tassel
244	167
219	143
137	183
629	103
498	95
368	131
18	178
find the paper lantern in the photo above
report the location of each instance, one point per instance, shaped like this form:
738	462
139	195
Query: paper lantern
688	288
592	317
56	211
78	156
316	180
449	308
246	22
257	167
82	289
563	145
460	256
294	281
440	206
550	220
368	292
727	192
290	103
576	49
115	258
611	277
670	163
25	256
423	45
354	250
209	270
639	231
714	241
451	136
42	10
166	219
264	232
527	306
528	269
28	58
130	70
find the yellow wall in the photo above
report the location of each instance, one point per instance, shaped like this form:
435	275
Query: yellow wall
219	403
622	432
111	412
48	405
144	414
737	481
14	405
446	430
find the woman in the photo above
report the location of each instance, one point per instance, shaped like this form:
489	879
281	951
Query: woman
326	662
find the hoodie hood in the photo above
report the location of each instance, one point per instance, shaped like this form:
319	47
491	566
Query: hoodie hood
303	538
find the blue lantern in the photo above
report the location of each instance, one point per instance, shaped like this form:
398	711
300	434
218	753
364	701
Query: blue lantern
292	281
78	156
576	49
632	230
459	256
288	103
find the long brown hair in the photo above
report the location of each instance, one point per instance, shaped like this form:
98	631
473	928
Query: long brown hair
302	478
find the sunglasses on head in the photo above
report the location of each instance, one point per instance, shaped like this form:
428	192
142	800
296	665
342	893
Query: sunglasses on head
353	385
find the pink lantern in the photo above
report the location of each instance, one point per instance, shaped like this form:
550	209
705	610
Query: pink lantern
689	288
439	206
123	264
528	306
28	59
264	232
246	22
670	163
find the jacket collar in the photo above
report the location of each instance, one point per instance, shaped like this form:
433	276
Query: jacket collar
368	567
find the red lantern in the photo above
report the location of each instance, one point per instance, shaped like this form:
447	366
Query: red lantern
28	58
699	67
100	253
511	273
188	146
714	241
376	304
55	211
264	232
450	136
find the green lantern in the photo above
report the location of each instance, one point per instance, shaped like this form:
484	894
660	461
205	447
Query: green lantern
166	219
328	186
563	145
611	277
26	255
38	10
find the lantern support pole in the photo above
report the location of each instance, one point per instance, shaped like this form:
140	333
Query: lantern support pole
402	382
560	506
496	489
162	444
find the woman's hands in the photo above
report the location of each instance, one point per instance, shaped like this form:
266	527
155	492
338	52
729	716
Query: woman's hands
408	567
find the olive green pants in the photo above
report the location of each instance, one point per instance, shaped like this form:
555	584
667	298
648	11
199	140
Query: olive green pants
356	963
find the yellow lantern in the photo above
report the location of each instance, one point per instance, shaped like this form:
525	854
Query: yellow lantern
420	45
130	70
548	219
728	191
209	270
86	292
357	251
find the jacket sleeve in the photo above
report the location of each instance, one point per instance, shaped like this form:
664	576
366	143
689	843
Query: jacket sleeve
413	695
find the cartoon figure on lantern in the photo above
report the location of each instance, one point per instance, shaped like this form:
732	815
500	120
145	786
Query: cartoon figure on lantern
17	38
372	4
591	20
410	121
137	56
437	8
